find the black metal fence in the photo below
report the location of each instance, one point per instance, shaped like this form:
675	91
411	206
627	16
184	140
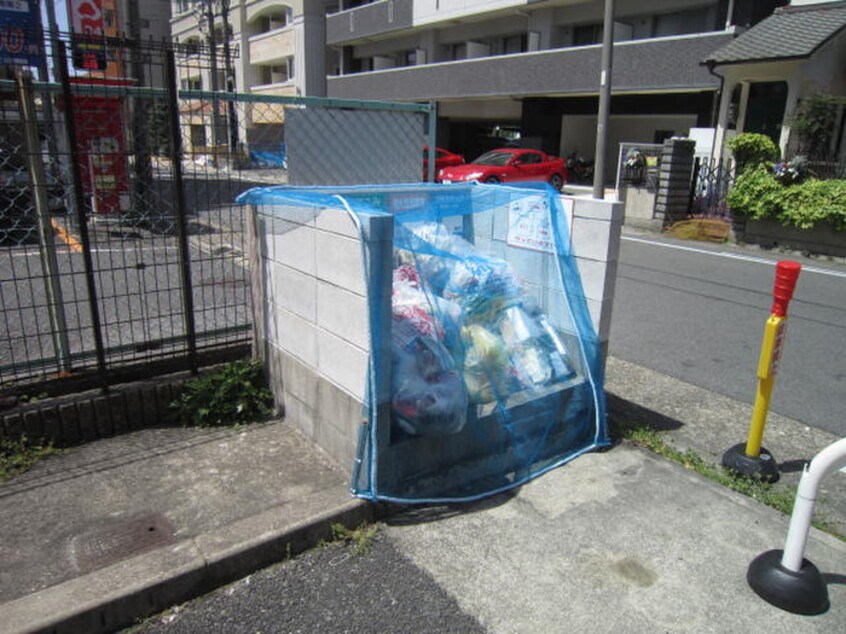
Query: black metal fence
108	267
121	246
827	169
711	181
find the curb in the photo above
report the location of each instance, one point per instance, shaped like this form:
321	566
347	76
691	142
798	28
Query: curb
122	594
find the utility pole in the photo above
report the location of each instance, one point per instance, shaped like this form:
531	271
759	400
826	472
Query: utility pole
230	80
143	162
604	101
54	38
43	75
205	16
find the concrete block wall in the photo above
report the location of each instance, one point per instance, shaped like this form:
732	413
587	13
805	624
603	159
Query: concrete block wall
595	243
672	200
311	316
311	305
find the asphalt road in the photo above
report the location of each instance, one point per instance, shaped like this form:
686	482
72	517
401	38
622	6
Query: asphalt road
696	312
331	590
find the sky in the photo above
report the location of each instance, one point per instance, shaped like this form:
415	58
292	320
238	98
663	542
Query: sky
61	13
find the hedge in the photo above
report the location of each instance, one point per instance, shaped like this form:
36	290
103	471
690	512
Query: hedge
757	194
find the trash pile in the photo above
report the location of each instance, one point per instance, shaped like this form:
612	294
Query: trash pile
464	331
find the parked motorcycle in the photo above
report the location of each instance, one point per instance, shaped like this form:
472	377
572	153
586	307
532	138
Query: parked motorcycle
579	168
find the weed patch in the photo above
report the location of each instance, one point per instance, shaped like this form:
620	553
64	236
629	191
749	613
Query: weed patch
361	537
235	394
17	456
779	497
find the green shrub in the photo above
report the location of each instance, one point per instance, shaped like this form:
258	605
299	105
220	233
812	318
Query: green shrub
813	202
815	123
235	394
751	149
758	194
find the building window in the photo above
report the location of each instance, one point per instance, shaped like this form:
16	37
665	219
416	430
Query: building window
184	5
360	65
681	23
277	19
191	83
198	135
278	73
514	44
409	58
192	46
587	34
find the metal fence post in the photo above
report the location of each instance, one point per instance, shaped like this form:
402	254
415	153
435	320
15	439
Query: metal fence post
79	203
46	244
179	197
432	133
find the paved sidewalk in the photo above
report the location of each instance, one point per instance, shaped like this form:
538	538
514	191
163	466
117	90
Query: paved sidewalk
113	530
709	423
620	540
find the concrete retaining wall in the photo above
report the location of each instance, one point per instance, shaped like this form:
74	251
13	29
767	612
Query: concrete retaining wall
820	240
65	421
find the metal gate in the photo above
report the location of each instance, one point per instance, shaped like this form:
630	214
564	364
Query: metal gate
712	180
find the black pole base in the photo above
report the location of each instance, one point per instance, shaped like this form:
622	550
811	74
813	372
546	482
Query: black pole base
802	592
764	467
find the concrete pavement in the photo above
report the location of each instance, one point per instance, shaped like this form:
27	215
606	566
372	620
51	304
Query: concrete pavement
620	540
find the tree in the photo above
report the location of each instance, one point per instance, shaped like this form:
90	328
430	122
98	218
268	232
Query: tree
815	124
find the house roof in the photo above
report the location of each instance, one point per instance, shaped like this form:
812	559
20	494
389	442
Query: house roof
791	32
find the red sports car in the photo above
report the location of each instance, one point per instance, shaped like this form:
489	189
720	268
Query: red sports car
443	158
509	165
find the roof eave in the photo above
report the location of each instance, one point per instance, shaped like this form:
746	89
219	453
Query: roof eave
713	63
759	60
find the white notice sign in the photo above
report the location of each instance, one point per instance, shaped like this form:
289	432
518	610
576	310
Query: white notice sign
529	224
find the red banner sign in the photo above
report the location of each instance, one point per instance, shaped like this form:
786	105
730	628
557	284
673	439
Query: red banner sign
87	25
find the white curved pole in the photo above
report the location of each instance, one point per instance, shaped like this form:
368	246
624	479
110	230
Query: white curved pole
829	459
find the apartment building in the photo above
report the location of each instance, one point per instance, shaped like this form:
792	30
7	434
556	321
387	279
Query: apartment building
275	48
501	68
498	69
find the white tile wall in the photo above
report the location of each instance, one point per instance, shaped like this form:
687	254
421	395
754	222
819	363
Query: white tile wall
342	363
319	312
592	239
294	291
339	261
297	336
294	246
337	221
594	275
343	313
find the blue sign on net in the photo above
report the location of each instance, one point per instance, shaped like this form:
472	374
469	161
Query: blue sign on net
19	32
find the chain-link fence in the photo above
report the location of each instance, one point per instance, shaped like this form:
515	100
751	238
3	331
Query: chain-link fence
121	246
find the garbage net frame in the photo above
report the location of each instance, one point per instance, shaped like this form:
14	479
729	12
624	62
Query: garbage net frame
485	369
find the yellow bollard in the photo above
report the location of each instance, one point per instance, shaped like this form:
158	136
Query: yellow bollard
752	459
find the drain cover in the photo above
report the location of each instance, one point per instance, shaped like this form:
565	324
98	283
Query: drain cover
116	541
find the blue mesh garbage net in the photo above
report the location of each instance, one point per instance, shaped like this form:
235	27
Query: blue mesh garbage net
494	370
